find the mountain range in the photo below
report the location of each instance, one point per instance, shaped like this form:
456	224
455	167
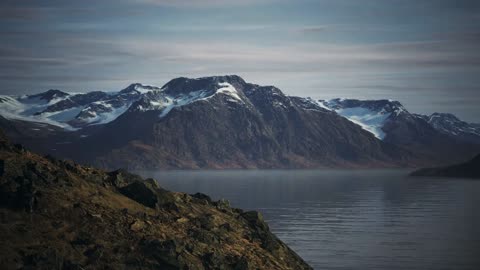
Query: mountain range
225	122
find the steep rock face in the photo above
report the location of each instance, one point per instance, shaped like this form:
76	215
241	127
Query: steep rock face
60	215
238	138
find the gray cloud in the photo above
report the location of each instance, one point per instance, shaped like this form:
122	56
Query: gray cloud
23	14
312	29
424	53
202	3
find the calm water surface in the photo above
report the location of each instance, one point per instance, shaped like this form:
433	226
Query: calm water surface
354	219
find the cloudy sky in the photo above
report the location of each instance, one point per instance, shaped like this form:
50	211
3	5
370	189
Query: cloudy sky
424	53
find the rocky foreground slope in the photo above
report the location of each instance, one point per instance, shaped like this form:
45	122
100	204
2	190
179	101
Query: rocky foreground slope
60	215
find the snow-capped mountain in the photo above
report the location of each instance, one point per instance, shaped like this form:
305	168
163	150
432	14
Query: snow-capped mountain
48	96
378	116
223	122
73	111
449	124
371	115
26	107
164	100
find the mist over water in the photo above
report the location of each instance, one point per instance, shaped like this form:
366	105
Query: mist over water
354	219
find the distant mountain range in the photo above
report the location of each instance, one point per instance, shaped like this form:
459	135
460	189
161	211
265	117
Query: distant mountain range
225	122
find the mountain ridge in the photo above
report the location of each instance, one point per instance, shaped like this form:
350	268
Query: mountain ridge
137	89
238	125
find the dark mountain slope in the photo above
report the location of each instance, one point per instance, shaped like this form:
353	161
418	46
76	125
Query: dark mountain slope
415	134
469	169
258	127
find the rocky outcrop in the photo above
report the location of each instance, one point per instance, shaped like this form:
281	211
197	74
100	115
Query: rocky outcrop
60	215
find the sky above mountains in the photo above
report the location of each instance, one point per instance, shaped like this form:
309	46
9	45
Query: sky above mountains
425	54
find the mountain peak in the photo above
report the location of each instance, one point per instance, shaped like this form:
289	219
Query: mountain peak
184	85
138	88
183	91
224	78
50	94
383	106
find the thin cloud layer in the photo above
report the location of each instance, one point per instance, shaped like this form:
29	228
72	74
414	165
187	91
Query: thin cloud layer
423	54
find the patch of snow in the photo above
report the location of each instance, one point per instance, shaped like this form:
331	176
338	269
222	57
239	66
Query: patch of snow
321	104
36	119
10	105
103	103
142	89
24	108
166	103
228	89
399	110
371	115
181	101
277	103
106	117
63	116
369	120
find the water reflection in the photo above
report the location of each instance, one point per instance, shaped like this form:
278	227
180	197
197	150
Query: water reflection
354	219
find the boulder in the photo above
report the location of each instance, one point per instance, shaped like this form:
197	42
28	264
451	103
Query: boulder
141	193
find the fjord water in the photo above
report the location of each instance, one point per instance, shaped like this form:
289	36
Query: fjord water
354	219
